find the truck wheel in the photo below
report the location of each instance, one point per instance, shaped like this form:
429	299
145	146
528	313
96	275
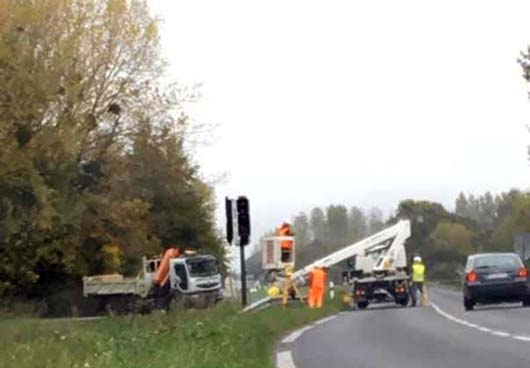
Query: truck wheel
362	305
212	300
206	301
176	302
271	276
110	311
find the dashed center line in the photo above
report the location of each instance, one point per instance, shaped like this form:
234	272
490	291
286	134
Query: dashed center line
489	331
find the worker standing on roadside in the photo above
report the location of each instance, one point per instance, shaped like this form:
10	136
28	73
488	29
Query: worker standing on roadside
161	277
317	287
418	279
286	245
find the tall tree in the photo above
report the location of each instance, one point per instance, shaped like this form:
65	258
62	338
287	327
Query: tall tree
473	208
453	238
375	220
461	205
516	222
80	88
358	227
337	224
488	211
301	229
317	221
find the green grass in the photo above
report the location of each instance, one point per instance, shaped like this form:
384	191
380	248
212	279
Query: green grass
261	293
214	338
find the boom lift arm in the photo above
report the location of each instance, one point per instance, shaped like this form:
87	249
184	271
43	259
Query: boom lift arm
391	239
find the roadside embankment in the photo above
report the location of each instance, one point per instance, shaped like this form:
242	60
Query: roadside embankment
219	337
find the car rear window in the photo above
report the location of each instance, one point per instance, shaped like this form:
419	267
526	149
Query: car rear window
497	261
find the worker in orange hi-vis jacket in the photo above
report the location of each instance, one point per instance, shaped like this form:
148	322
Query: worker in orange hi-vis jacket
286	245
317	287
161	277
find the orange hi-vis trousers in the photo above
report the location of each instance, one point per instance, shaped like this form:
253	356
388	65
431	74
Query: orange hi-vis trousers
315	298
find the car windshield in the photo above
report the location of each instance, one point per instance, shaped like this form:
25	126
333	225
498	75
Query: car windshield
202	267
497	261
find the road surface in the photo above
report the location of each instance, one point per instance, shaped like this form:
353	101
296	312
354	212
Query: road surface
443	335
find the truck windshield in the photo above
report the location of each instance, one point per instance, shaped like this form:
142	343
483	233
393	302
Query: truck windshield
202	267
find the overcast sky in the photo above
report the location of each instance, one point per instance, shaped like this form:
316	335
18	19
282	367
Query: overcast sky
354	102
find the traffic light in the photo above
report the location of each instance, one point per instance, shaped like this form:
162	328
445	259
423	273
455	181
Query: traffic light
243	220
229	221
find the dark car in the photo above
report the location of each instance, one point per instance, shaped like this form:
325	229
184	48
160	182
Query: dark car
495	278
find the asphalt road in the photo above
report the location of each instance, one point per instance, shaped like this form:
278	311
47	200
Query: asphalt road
446	336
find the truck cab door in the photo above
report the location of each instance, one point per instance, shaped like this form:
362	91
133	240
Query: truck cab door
179	277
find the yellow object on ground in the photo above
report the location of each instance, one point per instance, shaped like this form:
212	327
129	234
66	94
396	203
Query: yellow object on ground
273	292
424	297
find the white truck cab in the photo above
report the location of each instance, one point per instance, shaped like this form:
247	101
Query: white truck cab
195	274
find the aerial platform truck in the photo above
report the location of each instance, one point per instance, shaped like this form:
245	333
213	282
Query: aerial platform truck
377	266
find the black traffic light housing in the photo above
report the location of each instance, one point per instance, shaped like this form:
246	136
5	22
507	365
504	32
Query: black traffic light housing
229	221
243	220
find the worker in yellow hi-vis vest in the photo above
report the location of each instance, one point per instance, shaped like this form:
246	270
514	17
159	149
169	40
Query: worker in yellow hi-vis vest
418	280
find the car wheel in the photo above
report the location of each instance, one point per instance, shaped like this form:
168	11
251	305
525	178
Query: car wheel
362	305
526	302
468	304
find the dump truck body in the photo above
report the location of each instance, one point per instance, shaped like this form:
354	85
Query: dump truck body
115	284
191	281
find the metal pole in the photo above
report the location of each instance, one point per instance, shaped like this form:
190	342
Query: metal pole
243	278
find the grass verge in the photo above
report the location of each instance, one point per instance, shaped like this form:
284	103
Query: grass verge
214	338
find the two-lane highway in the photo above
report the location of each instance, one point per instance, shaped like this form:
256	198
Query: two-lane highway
441	336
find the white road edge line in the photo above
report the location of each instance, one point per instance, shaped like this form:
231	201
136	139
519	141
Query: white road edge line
324	320
500	333
296	334
444	314
521	338
284	359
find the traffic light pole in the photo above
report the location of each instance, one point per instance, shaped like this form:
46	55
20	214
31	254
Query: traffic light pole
238	233
243	277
